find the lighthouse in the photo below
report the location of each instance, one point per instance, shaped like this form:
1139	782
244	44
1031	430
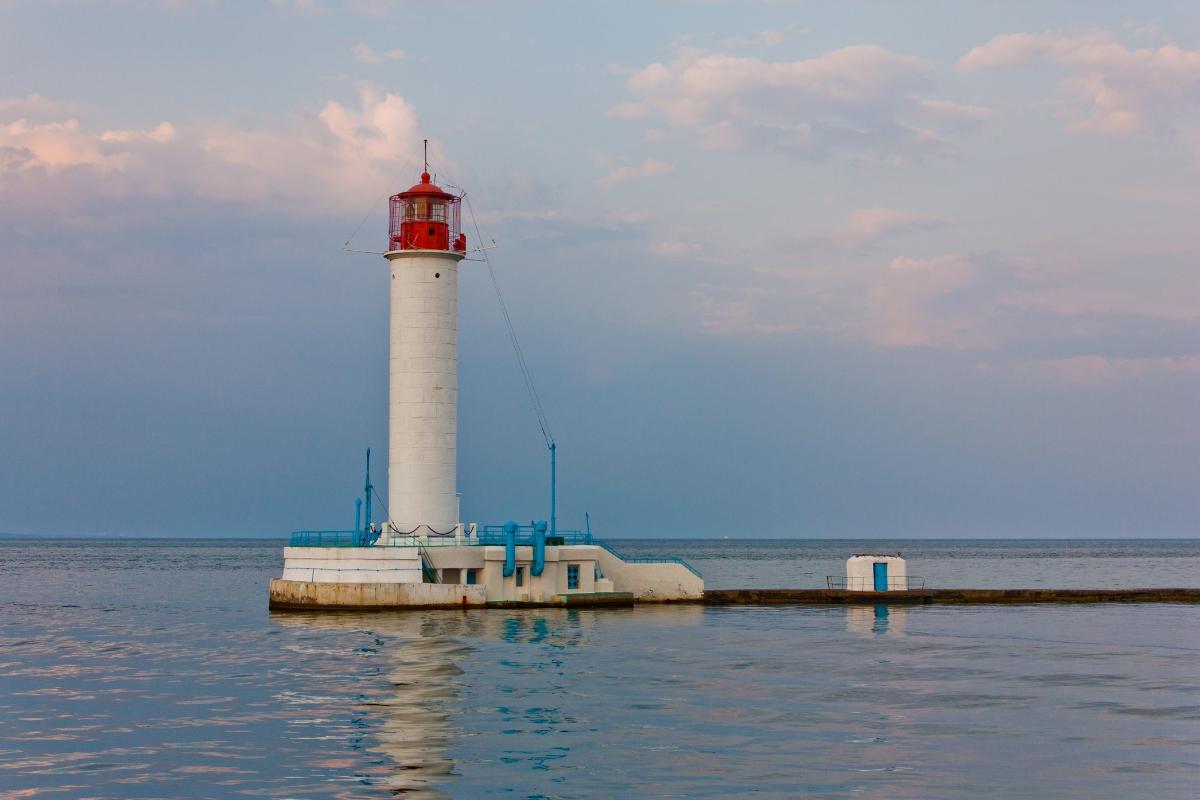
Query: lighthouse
424	556
425	245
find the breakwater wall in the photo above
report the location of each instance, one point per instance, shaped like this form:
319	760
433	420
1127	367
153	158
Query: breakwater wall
772	597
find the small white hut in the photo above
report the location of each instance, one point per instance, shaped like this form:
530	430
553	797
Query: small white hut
874	572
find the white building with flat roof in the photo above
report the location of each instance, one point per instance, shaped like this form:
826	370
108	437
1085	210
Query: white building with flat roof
875	572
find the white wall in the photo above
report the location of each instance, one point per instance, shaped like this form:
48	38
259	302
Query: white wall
451	557
860	572
552	581
352	564
655	581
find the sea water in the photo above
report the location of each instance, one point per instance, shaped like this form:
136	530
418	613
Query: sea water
139	669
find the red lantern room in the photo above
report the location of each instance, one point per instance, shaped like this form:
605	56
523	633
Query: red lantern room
426	218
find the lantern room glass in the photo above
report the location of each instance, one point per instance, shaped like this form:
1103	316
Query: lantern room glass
424	209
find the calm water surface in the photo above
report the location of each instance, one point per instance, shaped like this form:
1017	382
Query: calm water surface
152	669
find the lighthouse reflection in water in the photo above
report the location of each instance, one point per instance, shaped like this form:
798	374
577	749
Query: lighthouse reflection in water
421	686
420	665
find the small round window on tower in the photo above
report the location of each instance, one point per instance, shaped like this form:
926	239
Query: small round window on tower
437	274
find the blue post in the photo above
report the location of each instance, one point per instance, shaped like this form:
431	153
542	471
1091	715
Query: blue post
553	490
539	547
358	513
510	548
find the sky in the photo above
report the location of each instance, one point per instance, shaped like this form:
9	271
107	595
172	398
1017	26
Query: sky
780	269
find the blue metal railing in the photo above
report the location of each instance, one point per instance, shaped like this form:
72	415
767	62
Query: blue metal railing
333	538
487	535
649	559
867	583
427	570
494	535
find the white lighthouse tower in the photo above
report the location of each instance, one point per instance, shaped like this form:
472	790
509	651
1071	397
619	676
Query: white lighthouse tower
424	248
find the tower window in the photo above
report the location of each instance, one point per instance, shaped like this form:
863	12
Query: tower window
520	576
472	577
572	576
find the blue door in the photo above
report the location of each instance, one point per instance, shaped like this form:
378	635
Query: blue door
881	582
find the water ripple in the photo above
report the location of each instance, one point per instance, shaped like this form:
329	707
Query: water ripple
162	675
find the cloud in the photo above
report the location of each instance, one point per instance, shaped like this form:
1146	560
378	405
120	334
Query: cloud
55	145
162	134
737	310
675	248
36	106
868	225
860	99
332	159
766	38
369	7
1024	308
303	6
365	54
629	110
1135	310
647	169
901	295
1101	370
1108	88
949	112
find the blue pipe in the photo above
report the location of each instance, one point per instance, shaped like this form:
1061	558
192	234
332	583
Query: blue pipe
358	513
539	547
510	548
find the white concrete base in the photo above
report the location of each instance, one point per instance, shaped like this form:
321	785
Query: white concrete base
583	569
299	595
352	564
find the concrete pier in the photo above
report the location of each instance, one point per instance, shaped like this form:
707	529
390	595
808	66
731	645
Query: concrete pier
775	597
301	595
306	596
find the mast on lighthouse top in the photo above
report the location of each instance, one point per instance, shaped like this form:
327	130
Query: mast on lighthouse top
426	217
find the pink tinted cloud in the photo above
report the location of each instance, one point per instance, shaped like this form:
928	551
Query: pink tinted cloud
328	160
803	107
1110	88
647	169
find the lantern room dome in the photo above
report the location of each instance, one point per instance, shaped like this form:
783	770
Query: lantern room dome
426	186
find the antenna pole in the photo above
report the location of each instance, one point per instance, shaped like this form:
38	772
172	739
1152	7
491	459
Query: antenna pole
553	488
367	489
426	155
